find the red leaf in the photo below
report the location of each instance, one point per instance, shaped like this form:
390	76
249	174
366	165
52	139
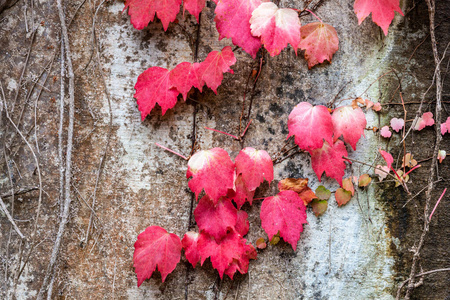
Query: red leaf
215	219
329	159
255	166
310	125
143	11
155	247
194	7
383	11
387	157
320	42
215	64
242	225
185	76
189	243
211	170
276	26
221	252
233	21
154	86
241	194
350	123
242	263
285	213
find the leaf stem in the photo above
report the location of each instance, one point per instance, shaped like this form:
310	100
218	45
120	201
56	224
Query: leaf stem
233	136
437	203
174	152
245	130
314	15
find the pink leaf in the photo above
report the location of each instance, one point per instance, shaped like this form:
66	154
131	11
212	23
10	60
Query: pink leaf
240	194
383	11
215	64
387	158
397	124
194	7
143	11
349	122
221	252
185	76
329	159
382	171
189	243
233	21
284	213
242	225
377	106
255	166
215	219
211	170
369	104
155	247
276	26
425	120
385	132
154	86
320	42
310	125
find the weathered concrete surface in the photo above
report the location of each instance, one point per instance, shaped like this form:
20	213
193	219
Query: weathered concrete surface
360	251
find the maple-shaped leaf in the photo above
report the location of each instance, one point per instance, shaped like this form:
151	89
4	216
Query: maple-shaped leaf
385	132
185	76
387	157
311	125
155	247
222	252
255	166
397	124
194	7
276	26
215	218
240	194
425	120
154	86
233	21
189	243
342	196
143	11
215	64
350	123
284	213
298	185
329	159
242	263
242	225
383	11
212	170
320	42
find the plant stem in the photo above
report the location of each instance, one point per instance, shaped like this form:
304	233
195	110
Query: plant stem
171	151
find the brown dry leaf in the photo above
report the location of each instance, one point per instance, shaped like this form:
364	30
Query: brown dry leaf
298	185
409	161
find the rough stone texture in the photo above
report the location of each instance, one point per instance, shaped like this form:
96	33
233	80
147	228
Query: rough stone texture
360	251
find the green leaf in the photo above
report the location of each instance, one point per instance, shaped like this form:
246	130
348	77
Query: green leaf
323	193
319	207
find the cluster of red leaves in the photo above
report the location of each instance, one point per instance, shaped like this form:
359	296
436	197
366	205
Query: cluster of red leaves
317	131
159	85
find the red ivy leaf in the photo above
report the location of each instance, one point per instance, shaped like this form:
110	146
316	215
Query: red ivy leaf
189	243
320	41
383	11
212	170
194	7
242	225
215	219
242	263
310	125
215	64
155	247
221	252
329	159
143	11
154	86
185	76
387	158
255	166
284	213
276	26
241	194
233	21
349	122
